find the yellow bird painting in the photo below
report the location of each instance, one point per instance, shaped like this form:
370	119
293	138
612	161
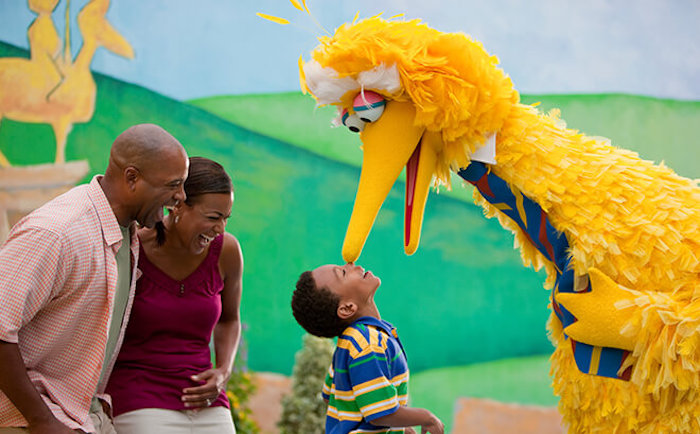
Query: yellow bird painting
53	88
619	236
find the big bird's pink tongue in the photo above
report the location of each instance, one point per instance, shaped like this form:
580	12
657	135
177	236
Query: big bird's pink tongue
388	144
419	174
411	172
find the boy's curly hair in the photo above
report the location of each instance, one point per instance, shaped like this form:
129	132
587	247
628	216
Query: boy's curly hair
316	309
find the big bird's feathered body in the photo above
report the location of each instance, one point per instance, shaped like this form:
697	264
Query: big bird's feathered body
631	225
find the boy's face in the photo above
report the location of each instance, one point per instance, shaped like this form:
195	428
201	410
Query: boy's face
349	281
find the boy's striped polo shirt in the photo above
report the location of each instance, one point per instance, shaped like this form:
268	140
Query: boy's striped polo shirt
368	378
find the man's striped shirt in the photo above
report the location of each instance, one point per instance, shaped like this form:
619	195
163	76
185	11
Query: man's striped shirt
368	378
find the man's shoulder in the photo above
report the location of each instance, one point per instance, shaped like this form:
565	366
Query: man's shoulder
61	214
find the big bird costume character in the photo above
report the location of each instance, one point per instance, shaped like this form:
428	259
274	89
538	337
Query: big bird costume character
618	236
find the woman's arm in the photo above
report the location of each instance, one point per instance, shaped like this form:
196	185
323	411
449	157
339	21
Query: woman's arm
227	332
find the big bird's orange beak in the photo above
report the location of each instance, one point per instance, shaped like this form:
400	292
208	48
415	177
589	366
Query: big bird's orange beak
389	144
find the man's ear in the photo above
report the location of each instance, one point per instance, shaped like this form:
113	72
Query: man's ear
346	310
131	175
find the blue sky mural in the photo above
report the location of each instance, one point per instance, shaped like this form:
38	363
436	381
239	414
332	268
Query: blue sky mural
646	47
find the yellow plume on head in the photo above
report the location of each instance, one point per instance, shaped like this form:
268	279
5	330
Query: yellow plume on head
297	5
272	18
302	7
455	85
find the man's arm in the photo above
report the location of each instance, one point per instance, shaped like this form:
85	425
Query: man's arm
15	384
23	295
408	417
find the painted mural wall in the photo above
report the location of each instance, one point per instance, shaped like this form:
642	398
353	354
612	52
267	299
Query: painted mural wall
73	75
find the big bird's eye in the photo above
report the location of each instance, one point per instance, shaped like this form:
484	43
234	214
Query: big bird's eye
368	106
353	122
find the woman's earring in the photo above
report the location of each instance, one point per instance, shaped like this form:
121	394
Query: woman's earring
177	219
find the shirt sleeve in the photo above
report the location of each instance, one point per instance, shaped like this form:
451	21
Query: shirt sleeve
374	393
30	265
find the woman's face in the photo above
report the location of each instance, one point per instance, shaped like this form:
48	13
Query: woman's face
200	223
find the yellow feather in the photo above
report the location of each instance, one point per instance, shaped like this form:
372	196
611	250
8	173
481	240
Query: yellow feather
296	4
306	7
302	77
277	20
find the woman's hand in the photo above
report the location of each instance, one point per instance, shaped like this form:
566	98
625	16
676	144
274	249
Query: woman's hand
205	394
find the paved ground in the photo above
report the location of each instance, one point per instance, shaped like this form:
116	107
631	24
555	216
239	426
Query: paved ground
265	404
478	416
481	416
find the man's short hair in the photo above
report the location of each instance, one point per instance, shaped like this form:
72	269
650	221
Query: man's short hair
316	309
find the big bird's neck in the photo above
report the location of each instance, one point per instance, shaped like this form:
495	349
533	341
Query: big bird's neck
618	211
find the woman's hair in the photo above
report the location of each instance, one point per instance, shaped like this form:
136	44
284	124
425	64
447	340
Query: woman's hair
205	176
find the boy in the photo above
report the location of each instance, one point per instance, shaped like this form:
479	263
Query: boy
367	383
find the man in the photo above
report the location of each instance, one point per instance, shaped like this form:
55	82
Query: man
67	280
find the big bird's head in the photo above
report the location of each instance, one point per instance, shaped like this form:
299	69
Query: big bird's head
419	98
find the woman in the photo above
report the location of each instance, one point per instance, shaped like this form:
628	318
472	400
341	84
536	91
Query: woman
189	289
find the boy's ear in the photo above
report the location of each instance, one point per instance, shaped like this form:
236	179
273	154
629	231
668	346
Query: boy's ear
346	310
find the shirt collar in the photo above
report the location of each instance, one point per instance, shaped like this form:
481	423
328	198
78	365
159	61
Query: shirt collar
108	221
487	152
386	326
380	323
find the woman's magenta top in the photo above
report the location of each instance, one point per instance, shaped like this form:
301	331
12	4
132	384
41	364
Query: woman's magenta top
167	338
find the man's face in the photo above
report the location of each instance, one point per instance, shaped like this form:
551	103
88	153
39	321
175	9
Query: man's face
162	185
349	281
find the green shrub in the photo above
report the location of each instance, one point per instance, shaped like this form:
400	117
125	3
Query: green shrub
304	411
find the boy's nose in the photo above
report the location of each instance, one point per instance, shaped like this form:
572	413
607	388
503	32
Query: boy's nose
354	267
350	266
